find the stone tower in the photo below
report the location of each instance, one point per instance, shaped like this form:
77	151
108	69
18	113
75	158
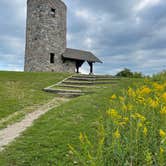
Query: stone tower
46	36
46	49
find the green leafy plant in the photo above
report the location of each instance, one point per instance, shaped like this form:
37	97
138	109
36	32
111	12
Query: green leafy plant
128	73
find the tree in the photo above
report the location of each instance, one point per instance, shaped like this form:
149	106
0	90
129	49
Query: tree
125	73
128	73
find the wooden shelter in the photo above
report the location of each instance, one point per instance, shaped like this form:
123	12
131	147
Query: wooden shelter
80	56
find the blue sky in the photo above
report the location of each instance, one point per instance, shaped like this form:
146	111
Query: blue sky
122	33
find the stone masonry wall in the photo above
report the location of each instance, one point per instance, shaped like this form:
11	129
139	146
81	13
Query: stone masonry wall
46	34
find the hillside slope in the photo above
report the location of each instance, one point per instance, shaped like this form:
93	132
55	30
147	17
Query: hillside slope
19	90
132	112
46	143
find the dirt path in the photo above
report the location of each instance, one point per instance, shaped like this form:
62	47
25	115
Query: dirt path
8	134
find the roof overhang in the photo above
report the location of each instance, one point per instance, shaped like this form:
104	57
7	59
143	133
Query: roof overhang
74	54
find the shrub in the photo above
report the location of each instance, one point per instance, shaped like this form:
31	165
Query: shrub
128	73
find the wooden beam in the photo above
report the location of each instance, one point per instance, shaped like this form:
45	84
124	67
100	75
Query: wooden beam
91	67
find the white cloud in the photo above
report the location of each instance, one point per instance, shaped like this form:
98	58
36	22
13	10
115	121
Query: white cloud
138	20
145	3
15	44
88	42
11	53
87	16
19	8
11	67
82	13
69	37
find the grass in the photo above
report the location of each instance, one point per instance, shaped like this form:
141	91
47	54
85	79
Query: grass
46	142
133	132
19	90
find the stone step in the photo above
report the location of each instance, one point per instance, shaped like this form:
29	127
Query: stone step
74	86
62	91
94	76
77	83
93	79
88	83
81	86
71	95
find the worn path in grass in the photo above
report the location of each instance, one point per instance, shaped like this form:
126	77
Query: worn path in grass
8	134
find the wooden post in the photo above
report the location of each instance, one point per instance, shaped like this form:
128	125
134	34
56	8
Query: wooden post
78	65
91	67
77	68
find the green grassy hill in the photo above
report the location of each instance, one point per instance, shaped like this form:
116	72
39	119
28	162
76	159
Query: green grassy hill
19	90
118	121
46	143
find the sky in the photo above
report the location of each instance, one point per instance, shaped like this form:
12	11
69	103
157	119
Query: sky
122	33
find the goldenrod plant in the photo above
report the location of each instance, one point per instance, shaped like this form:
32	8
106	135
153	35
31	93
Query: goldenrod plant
134	128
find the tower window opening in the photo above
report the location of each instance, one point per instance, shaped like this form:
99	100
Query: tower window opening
53	12
52	58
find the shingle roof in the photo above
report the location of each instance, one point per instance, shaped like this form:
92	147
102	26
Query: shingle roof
80	55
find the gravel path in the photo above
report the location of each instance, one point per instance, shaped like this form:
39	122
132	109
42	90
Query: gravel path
8	134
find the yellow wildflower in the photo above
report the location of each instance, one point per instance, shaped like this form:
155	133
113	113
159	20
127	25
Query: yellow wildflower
113	97
164	85
122	99
145	90
158	87
162	133
113	114
161	150
71	148
131	92
153	103
122	123
133	116
164	97
141	117
124	107
140	125
141	100
126	119
117	134
81	137
163	111
130	107
145	130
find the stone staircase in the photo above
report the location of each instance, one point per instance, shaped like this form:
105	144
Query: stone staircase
78	85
